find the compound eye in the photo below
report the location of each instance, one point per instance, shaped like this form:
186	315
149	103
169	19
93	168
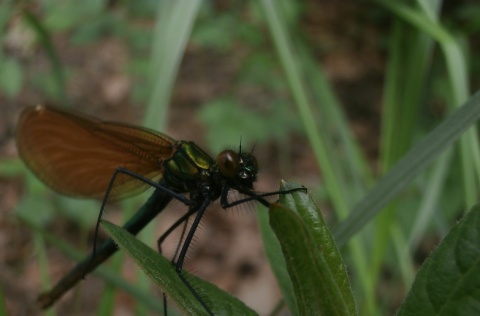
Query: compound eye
249	166
228	163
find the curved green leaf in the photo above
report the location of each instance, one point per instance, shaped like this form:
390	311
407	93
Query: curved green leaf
162	272
449	281
273	250
319	277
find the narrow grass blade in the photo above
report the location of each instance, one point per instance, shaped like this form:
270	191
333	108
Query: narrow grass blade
57	67
162	272
404	94
456	64
414	162
173	26
3	305
351	165
326	161
430	202
297	84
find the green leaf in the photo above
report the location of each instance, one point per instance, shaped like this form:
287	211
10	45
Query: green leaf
314	263
162	272
448	282
273	250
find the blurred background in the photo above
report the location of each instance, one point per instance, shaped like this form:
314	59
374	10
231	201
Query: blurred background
331	94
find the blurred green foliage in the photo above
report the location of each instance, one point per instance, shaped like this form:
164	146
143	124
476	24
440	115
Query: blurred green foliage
11	79
427	59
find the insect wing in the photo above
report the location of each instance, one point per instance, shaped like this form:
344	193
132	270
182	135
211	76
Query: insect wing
77	155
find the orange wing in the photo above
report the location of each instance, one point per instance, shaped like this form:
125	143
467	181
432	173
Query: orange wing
76	155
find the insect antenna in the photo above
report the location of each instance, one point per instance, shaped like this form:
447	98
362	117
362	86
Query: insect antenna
253	147
240	146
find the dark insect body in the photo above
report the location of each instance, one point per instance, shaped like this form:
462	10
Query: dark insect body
81	156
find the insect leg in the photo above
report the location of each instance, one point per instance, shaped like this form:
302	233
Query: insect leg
181	258
181	220
253	196
155	204
150	182
135	175
173	227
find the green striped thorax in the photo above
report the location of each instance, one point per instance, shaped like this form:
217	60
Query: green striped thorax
190	169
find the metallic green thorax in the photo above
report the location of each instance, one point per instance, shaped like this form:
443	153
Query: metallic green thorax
187	168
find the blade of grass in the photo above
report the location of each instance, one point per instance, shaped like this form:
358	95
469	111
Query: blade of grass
297	85
458	77
353	169
299	93
407	168
42	262
172	30
423	217
425	19
405	87
3	307
45	40
173	26
430	202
